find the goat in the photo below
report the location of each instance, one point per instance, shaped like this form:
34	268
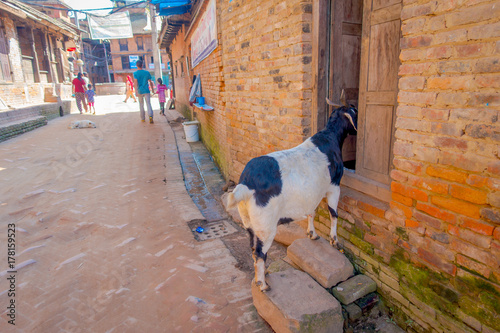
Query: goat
288	185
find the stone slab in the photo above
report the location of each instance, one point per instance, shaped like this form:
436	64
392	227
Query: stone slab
297	303
354	288
288	233
320	260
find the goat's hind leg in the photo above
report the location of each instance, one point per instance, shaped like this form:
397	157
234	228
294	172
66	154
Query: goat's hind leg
311	231
333	201
262	245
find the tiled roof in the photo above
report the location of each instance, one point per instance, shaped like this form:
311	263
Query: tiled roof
66	28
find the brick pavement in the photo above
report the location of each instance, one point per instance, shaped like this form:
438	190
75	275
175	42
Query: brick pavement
101	229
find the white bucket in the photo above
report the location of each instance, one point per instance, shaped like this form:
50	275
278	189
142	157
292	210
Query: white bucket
191	130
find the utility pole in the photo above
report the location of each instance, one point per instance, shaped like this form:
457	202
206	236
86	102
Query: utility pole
107	65
154	36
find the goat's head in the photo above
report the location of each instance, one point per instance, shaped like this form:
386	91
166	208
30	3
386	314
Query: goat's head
348	115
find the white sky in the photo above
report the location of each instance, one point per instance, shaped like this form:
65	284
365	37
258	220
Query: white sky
89	4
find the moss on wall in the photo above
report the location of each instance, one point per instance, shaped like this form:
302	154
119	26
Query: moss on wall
213	146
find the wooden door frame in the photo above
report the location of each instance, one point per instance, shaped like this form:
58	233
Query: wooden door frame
320	87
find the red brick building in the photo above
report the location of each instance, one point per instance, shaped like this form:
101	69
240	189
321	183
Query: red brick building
33	54
420	199
124	51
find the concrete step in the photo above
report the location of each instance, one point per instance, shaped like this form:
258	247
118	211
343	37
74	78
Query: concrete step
297	303
354	288
17	127
320	260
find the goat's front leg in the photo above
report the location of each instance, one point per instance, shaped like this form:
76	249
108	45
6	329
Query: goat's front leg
263	241
333	201
311	231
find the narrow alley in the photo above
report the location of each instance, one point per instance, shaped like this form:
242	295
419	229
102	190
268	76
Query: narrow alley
101	233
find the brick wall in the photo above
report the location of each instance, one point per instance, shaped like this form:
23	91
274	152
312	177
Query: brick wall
267	75
434	250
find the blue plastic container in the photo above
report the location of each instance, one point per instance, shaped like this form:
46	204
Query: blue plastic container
200	100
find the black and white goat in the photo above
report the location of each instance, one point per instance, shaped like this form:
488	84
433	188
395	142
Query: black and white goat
288	185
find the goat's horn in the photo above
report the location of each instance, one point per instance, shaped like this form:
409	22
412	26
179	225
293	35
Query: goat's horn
342	98
331	103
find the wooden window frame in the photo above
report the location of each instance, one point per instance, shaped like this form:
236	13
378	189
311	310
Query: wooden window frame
140	46
123	44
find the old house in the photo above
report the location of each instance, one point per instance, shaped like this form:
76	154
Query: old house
35	50
126	51
34	53
420	195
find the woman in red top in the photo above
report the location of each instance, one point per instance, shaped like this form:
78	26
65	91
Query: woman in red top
79	92
130	89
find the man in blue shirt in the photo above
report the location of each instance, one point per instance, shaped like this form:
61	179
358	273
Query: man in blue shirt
143	81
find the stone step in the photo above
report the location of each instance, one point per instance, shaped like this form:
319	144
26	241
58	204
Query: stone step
288	233
320	260
17	127
354	288
297	303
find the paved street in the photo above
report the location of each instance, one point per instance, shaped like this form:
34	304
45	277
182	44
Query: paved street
101	234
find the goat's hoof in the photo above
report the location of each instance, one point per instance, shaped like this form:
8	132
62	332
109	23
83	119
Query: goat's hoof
334	243
265	288
311	236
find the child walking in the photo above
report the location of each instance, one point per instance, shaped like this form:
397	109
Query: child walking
90	97
161	89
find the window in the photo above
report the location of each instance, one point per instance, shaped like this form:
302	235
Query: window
4	59
125	62
140	43
176	71
123	44
187	64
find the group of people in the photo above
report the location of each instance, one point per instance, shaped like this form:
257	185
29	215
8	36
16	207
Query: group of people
143	85
83	93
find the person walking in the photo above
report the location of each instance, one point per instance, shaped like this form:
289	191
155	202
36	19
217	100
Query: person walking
130	89
161	89
89	94
143	82
79	92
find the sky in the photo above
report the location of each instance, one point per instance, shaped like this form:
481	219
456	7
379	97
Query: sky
89	4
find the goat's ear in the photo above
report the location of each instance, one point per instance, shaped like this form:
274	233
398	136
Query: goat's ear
332	104
348	116
342	99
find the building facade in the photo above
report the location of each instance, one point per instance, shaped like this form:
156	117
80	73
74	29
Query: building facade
419	206
33	55
125	52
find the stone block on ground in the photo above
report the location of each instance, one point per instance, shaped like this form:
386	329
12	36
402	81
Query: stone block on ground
354	288
288	233
297	303
354	312
320	260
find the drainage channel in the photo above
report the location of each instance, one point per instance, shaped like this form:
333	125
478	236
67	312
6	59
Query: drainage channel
197	163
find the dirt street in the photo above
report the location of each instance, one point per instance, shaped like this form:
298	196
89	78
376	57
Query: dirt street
101	236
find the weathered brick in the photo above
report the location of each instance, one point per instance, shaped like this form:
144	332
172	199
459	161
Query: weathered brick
410	166
427	98
411	83
477	226
409	191
428	184
473	252
448	174
472	14
438	236
429	220
463	161
436	114
401	210
403	149
457	206
437	262
490	214
468	194
436	212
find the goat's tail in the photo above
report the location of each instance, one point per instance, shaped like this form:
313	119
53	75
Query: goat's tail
240	193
